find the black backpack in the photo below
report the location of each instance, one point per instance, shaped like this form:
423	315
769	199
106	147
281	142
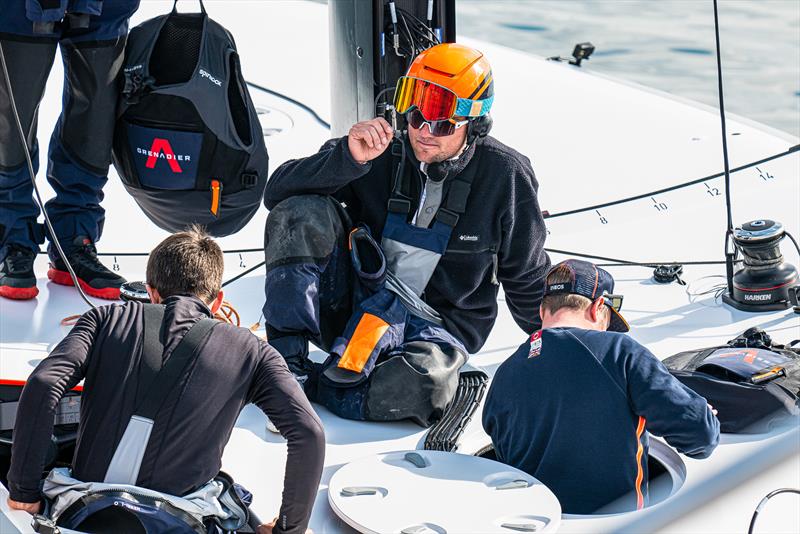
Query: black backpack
187	142
753	383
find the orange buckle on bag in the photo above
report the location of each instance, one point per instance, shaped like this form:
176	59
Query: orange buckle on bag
216	191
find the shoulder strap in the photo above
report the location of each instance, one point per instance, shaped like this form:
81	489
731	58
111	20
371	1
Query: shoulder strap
152	348
455	201
172	370
399	201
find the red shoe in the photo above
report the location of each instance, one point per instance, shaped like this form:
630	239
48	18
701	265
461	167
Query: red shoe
94	278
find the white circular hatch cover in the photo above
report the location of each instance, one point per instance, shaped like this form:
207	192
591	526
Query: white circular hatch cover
431	492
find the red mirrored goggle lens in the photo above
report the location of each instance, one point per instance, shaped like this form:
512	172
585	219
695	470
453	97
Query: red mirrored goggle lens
435	102
438	128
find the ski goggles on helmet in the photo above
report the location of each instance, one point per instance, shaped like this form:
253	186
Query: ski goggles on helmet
437	128
434	102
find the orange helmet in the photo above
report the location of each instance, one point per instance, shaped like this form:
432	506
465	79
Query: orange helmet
445	81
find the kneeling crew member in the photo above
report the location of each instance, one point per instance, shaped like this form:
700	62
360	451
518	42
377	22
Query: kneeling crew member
232	368
571	406
441	220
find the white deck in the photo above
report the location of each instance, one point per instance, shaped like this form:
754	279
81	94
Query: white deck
591	140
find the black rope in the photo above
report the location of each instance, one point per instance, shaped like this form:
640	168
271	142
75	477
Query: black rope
616	261
729	230
133	254
623	263
790	236
722	123
297	103
673	187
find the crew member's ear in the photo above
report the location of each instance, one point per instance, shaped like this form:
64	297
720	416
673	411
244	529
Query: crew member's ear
217	302
596	310
152	292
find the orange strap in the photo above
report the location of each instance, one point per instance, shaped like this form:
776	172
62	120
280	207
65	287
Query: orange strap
639	469
369	331
216	189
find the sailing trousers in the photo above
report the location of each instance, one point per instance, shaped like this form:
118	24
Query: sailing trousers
79	154
312	292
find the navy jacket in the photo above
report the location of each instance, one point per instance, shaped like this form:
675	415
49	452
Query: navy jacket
574	417
500	238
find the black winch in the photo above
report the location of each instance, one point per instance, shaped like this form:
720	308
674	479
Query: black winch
765	280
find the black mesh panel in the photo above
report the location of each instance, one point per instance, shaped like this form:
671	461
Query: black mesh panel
236	101
177	49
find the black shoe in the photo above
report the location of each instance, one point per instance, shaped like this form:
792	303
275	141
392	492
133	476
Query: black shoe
17	280
95	279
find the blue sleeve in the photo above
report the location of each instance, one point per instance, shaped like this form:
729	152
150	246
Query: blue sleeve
487	418
673	411
500	400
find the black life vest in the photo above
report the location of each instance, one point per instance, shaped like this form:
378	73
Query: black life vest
187	143
753	383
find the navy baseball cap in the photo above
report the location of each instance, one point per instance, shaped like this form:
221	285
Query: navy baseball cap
592	282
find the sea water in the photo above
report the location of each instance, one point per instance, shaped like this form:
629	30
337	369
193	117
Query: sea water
664	44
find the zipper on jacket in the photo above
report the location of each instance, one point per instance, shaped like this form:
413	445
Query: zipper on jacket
167	125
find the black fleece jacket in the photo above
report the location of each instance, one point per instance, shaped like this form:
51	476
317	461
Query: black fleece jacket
499	239
234	368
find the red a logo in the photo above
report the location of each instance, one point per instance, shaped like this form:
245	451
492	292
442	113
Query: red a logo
159	146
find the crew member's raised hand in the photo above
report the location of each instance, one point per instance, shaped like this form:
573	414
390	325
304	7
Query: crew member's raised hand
369	139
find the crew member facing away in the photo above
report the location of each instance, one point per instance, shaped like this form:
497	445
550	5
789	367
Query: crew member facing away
111	348
440	219
571	406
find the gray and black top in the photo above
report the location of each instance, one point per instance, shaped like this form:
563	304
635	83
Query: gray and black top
499	239
190	431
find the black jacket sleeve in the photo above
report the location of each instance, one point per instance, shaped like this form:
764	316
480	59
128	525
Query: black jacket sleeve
325	173
55	375
277	393
522	261
671	409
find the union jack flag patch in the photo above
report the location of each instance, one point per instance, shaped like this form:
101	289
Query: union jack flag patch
536	344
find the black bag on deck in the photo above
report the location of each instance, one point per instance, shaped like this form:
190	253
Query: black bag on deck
187	143
752	383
